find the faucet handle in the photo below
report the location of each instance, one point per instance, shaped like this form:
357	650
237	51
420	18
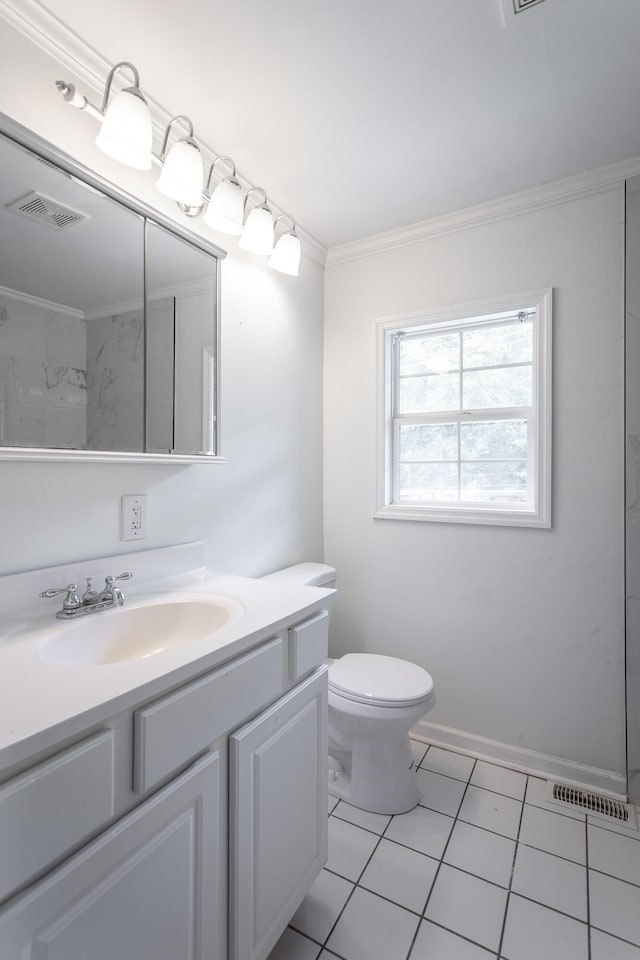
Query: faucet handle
121	576
70	602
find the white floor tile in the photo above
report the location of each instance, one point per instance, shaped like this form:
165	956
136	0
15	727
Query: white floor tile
551	881
435	943
614	827
604	947
418	750
349	848
468	905
403	875
421	829
553	833
449	764
321	907
615	906
332	804
537	796
499	779
294	946
533	932
375	822
440	793
373	929
478	851
491	811
614	853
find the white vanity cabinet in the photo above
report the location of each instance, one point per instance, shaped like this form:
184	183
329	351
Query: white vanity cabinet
144	890
214	840
278	816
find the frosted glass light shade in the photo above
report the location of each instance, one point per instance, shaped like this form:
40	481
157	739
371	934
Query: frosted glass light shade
226	208
125	133
257	236
286	256
182	174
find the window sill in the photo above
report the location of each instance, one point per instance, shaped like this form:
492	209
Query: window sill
458	514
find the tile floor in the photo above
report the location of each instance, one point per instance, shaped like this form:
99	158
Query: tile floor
482	868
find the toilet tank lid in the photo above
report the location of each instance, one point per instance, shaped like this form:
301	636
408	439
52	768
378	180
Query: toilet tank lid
307	574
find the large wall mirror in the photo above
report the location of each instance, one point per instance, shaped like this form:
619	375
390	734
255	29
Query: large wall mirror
109	323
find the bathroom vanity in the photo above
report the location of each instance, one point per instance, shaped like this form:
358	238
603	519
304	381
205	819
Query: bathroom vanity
168	804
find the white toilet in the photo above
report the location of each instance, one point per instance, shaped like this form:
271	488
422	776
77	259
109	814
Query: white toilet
373	703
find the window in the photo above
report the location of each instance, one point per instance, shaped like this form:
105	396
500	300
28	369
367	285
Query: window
464	407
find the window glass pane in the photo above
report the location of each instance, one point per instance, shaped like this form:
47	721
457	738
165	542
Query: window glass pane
432	354
429	394
494	346
428	481
429	442
506	387
494	482
494	440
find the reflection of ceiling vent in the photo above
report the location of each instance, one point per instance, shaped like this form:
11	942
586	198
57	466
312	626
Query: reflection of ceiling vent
47	211
520	5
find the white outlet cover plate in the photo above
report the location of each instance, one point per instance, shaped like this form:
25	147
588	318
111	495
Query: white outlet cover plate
133	517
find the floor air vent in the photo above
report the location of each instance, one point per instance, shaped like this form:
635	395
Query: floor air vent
47	211
592	803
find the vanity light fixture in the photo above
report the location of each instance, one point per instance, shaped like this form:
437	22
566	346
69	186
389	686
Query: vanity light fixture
182	173
125	133
286	254
126	136
225	210
258	233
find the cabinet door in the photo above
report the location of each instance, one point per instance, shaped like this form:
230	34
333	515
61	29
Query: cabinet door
146	889
277	816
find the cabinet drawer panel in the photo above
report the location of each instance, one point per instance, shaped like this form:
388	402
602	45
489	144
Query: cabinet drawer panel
173	730
54	807
308	645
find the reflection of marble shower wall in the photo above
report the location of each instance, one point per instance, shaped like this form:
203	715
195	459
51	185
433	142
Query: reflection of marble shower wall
115	360
43	393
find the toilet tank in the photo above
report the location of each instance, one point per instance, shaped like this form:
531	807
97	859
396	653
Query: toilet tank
305	574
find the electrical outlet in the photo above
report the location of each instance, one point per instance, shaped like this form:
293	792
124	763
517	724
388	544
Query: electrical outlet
133	516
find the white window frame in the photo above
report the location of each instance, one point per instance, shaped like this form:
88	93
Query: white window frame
536	513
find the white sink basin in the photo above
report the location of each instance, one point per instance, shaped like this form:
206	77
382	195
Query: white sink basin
133	633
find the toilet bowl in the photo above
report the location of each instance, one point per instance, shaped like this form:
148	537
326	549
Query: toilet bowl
374	701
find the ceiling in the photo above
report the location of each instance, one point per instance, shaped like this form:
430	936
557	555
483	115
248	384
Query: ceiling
361	116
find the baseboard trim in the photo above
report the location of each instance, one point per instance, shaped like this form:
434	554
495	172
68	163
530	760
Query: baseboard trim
527	761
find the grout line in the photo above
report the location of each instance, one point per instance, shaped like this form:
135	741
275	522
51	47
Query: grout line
435	877
464	937
355	883
612	876
513	867
616	936
550	853
586	858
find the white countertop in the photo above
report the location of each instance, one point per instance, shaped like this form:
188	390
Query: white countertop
42	704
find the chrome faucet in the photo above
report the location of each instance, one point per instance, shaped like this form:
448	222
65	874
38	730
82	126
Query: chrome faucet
90	602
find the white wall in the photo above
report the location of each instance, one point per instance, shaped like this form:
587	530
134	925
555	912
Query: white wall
521	629
259	511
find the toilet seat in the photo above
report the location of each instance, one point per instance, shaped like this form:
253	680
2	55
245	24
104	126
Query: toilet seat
378	680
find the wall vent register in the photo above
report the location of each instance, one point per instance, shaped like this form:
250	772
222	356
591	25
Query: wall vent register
520	5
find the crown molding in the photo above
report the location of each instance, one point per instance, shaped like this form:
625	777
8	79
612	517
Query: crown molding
58	41
504	208
48	305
